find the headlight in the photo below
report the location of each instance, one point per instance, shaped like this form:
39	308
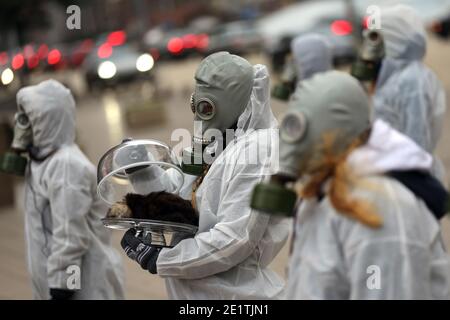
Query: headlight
106	70
7	76
144	62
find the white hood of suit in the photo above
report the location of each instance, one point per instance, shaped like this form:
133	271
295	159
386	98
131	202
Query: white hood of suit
51	109
387	150
258	114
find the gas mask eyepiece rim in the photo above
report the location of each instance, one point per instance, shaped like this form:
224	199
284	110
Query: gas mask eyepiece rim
293	126
198	108
191	101
22	120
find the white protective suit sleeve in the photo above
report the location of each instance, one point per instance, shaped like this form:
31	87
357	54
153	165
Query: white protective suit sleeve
229	242
70	202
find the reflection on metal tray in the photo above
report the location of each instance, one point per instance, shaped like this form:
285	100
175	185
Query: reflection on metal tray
153	232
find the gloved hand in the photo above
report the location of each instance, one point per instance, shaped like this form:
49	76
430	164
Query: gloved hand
143	254
61	294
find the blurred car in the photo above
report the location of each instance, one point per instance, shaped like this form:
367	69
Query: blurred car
331	18
109	66
174	44
327	17
237	37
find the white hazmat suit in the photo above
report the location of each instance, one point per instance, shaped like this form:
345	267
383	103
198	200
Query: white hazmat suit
312	54
229	256
408	94
335	257
62	210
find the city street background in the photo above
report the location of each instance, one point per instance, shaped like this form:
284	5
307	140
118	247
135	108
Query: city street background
131	68
101	125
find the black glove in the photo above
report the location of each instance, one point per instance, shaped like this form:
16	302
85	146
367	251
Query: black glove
143	254
61	294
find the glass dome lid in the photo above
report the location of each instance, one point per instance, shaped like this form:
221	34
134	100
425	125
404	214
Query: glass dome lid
138	166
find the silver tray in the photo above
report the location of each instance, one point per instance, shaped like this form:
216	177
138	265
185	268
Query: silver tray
154	232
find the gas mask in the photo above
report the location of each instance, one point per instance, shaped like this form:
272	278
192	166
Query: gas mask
332	110
13	162
288	80
368	63
224	83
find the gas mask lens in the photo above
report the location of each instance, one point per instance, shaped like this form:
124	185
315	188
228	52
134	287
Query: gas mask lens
22	120
205	109
293	127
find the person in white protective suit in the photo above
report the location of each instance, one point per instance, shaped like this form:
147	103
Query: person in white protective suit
229	256
310	54
408	94
366	227
65	237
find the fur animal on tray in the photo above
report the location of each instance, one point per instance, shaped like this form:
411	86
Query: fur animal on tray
161	206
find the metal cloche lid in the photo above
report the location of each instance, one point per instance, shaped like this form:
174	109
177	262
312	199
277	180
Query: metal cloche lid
137	166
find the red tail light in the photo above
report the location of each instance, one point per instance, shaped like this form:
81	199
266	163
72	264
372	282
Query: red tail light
189	41
28	51
42	52
3	58
104	51
117	38
33	61
175	45
17	61
341	27
202	41
54	57
365	23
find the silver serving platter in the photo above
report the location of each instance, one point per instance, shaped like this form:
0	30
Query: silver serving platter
154	232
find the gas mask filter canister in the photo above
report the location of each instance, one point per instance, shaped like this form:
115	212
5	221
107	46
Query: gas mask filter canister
286	87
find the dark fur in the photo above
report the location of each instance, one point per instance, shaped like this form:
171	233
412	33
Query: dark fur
162	206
